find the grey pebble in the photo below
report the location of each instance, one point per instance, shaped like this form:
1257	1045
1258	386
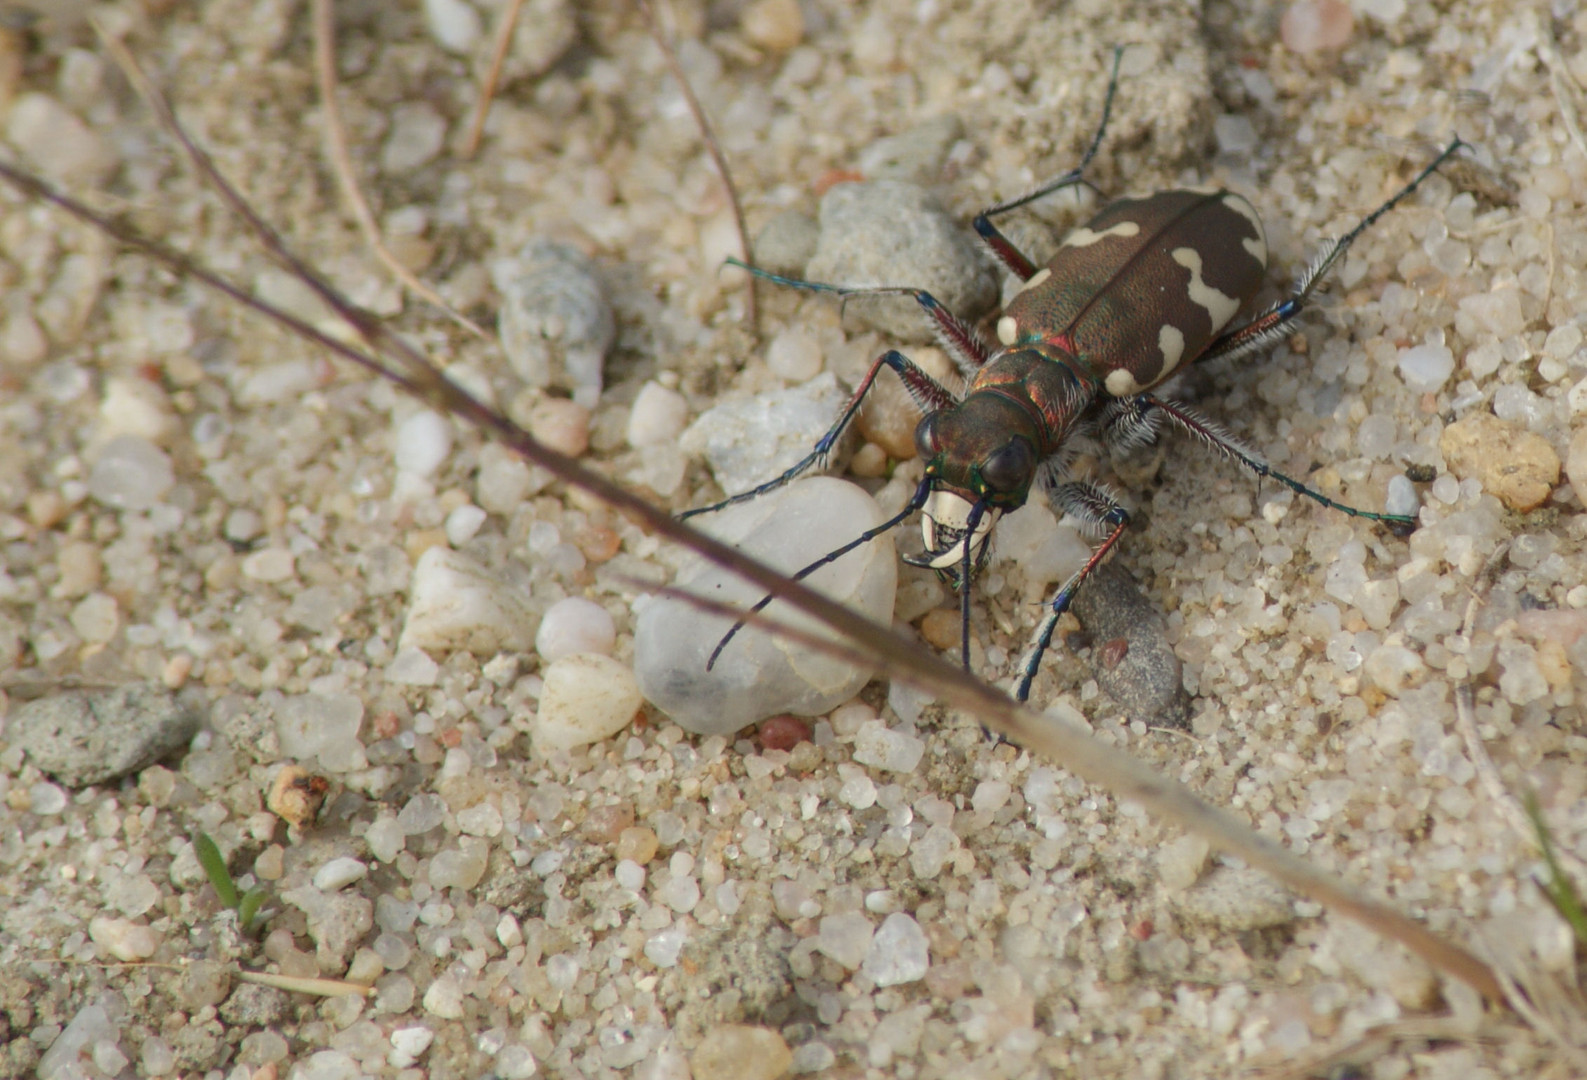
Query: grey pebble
254	1006
83	737
555	321
786	243
891	232
1236	899
917	155
1131	657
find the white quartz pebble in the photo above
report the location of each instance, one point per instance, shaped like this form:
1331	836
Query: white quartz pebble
658	416
587	697
575	625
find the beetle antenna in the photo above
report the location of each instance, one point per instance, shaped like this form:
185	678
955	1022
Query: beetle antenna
916	501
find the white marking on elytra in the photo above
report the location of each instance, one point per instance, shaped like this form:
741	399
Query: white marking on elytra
1007	330
1220	308
1121	383
1172	342
1038	278
1257	247
1085	237
1205	189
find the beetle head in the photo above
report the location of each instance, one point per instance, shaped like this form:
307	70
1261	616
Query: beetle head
981	462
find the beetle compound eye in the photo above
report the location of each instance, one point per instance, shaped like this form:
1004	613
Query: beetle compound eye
1010	466
926	444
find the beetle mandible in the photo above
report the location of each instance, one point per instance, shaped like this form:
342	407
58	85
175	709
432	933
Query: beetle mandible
1146	287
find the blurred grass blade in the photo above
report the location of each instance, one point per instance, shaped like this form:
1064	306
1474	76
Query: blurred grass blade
1559	889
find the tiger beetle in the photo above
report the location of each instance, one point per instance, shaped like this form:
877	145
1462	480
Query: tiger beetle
1146	287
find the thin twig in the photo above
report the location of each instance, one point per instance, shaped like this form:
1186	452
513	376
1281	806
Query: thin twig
681	77
487	86
342	164
394	358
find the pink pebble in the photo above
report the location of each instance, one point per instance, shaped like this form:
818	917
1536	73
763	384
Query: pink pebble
1314	25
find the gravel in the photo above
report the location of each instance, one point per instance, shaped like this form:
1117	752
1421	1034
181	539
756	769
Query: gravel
194	502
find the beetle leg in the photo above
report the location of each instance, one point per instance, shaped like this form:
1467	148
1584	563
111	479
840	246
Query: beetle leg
962	341
926	392
1269	326
1096	508
1011	256
1127	423
1214	435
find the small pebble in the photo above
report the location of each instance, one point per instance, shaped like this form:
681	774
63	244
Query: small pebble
659	416
412	667
845	938
123	939
890	232
637	844
462	867
56	142
269	565
1236	900
83	737
46	799
750	441
783	732
740	1052
338	874
408	1044
454	24
1426	368
96	618
561	424
587	697
882	748
296	796
444	998
757	676
555	322
917	155
786	243
422	442
458	604
1394	669
414	138
794	355
899	953
1141	670
575	625
776	25
1514	465
1309	26
130	473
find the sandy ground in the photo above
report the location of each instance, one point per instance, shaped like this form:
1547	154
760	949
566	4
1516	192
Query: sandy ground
1069	934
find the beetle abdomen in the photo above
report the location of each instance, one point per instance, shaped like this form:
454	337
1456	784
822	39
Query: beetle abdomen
1145	286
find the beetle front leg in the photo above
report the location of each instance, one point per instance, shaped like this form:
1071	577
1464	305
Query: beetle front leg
1095	508
926	392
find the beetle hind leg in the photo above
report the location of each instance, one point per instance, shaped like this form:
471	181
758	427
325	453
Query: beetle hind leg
1211	434
1270	326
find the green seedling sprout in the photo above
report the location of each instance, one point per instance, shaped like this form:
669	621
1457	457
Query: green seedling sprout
247	904
1559	889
